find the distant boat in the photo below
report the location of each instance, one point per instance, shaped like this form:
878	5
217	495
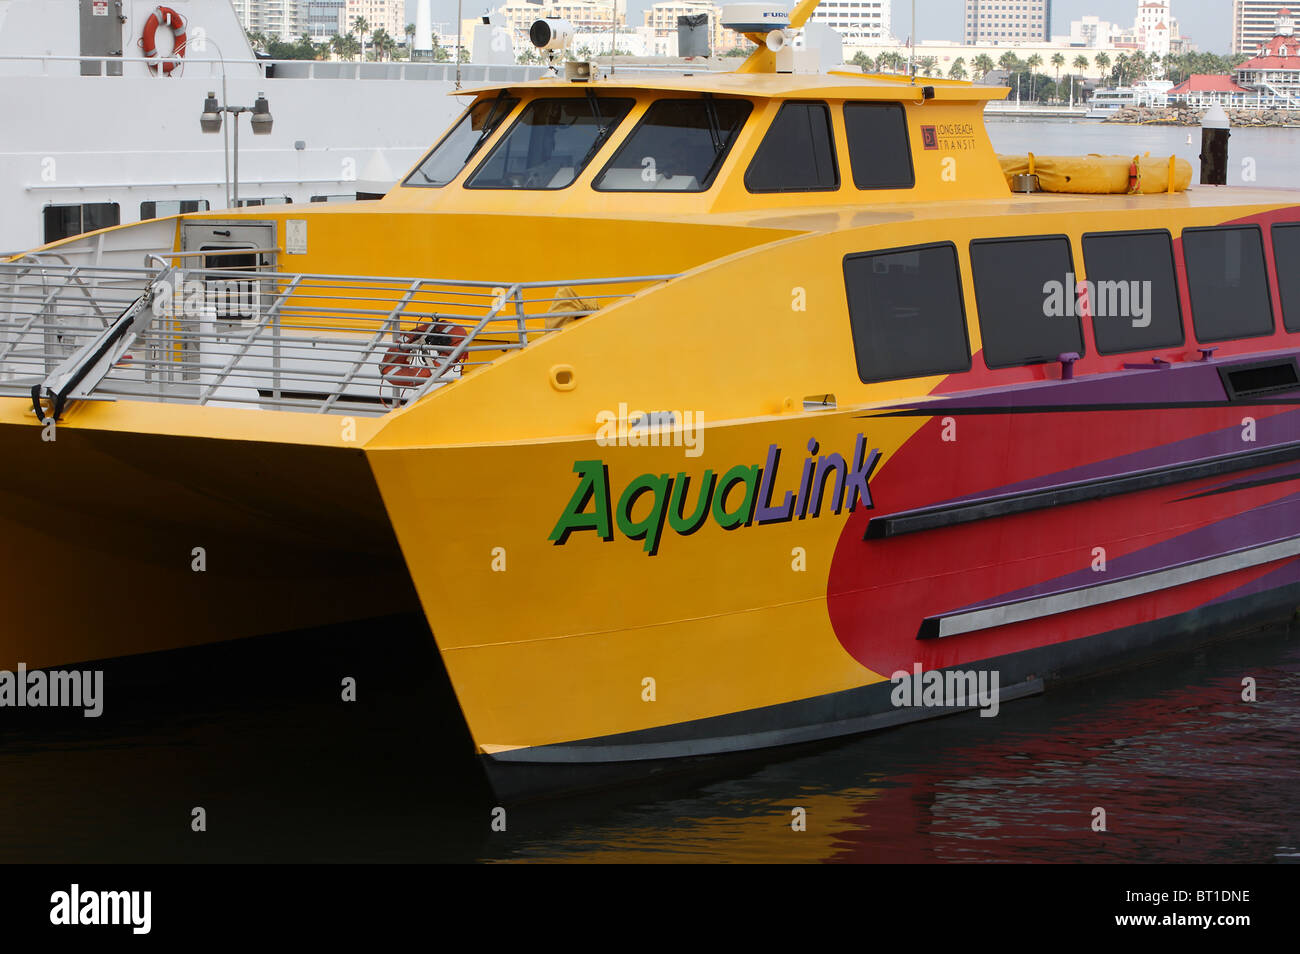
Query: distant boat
1107	102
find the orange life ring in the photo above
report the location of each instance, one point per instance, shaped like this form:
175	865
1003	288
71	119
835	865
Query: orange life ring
407	362
160	16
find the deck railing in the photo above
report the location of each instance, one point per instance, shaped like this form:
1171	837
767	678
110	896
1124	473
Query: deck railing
352	344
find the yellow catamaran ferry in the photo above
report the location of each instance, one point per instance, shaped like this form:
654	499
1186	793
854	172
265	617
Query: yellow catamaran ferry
689	410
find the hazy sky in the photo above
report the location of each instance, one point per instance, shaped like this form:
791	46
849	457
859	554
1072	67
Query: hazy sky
1207	21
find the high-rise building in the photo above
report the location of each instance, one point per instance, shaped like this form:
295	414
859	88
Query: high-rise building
1007	22
387	15
1156	27
855	20
1253	22
275	19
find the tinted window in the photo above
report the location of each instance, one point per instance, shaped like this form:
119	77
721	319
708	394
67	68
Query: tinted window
1133	294
797	154
1227	284
879	151
64	221
155	210
456	149
905	308
551	143
1021	321
678	147
1286	252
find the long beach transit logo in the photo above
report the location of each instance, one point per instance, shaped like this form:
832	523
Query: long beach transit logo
741	497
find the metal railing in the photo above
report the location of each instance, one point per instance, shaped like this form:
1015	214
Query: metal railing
252	337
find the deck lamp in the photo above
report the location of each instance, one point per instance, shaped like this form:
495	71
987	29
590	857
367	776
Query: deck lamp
261	118
210	119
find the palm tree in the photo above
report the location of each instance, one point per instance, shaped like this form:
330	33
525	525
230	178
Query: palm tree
1058	60
361	26
1081	63
982	65
927	64
1009	61
863	62
1103	64
1034	62
958	69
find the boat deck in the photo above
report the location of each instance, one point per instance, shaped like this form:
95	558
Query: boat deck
348	344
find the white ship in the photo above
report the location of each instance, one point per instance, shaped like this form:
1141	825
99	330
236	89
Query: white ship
96	133
1107	102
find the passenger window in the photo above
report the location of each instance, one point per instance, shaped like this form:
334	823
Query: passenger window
156	210
65	221
1024	291
797	154
458	147
879	150
1132	291
906	312
1286	253
1227	282
551	143
678	147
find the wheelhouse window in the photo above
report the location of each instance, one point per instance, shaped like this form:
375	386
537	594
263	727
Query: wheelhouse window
1227	282
460	145
1132	291
65	221
797	154
550	143
156	210
879	150
678	146
1024	289
265	200
906	312
1286	252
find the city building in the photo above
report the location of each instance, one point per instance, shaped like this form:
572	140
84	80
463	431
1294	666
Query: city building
274	19
855	19
1274	70
1253	23
1091	32
388	15
1003	23
1155	28
325	18
661	19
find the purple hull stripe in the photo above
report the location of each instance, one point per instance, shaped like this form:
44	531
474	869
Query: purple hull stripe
1277	472
1273	431
1285	575
1277	521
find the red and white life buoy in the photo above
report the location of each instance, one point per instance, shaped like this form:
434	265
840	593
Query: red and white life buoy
160	17
416	353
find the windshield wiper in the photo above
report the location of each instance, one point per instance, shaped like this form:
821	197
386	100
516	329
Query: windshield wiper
714	129
487	127
602	130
